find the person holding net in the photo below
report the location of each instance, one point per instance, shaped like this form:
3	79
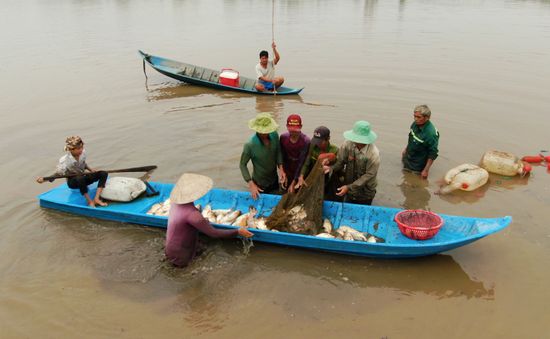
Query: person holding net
320	148
359	158
294	148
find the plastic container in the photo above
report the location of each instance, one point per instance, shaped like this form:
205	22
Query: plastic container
466	177
418	224
533	159
229	77
502	163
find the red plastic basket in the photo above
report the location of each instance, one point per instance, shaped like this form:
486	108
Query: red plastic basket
418	224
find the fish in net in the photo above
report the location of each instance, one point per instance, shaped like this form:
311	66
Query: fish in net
301	212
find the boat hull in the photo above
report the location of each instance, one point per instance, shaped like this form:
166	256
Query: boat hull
456	232
201	76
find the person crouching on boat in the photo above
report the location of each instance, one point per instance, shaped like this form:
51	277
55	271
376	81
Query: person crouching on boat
294	148
264	150
185	221
360	160
74	163
265	71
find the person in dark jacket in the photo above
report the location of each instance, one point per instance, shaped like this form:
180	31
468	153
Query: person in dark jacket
422	147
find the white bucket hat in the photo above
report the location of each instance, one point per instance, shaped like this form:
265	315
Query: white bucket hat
190	187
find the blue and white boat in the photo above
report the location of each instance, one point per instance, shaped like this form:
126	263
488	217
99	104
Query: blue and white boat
202	76
379	221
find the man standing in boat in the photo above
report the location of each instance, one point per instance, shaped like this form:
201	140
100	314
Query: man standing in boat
422	146
359	158
294	148
265	71
264	150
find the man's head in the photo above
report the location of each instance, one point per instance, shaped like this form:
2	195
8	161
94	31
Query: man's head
294	124
75	145
264	57
422	114
321	137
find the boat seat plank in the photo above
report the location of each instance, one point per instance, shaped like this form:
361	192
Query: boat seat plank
207	74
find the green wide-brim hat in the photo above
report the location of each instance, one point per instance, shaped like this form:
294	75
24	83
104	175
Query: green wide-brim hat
263	123
361	133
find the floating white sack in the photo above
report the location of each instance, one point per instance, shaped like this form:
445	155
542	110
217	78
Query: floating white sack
123	189
466	177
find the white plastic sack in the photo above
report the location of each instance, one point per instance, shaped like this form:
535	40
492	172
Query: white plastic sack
123	189
466	177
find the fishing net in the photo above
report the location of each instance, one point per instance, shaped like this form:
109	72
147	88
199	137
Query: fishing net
301	212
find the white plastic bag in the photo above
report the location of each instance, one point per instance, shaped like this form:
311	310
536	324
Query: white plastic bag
466	177
123	189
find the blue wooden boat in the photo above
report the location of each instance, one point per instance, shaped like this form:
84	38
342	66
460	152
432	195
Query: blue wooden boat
201	76
456	231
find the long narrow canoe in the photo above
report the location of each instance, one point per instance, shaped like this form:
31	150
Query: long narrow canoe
456	231
201	76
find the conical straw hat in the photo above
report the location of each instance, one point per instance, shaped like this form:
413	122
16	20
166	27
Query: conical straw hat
190	187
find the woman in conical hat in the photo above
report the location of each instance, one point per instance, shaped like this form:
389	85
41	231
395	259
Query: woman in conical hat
185	221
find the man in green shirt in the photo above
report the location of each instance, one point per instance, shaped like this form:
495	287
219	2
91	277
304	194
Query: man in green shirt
422	146
264	151
359	158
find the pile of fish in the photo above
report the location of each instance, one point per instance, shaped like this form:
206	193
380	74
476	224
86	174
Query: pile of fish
249	219
161	208
234	217
297	220
346	233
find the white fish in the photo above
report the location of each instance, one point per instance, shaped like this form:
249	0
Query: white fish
154	208
260	224
348	236
207	209
371	239
222	212
346	229
325	235
250	222
230	217
355	234
327	226
208	214
296	209
340	232
241	220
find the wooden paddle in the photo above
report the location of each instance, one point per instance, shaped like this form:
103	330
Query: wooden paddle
132	169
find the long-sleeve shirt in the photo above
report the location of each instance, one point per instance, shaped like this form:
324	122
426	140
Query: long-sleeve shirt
264	160
422	145
313	154
184	224
69	165
294	154
360	169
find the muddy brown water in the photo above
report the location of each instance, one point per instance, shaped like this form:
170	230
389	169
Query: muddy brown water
71	67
